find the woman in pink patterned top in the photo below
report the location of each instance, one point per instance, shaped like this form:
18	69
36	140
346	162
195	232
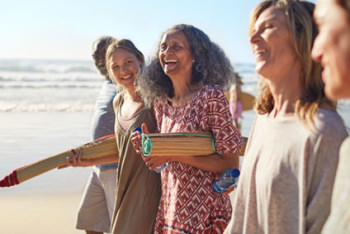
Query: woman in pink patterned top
184	84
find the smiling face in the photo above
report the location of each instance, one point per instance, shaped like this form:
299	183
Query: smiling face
124	68
332	48
98	54
175	55
272	45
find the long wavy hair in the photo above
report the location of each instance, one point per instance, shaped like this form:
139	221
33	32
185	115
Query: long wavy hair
303	30
211	66
128	45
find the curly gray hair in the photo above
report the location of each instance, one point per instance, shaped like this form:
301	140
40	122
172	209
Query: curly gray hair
211	66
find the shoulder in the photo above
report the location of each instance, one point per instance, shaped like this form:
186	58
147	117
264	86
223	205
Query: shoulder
329	122
110	84
159	102
328	133
212	91
118	98
109	88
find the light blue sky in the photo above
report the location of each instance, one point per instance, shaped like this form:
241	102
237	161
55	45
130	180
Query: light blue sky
65	29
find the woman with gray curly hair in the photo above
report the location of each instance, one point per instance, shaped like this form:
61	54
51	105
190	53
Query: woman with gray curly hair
184	84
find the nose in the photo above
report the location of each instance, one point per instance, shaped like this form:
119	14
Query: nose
254	37
168	50
316	52
123	69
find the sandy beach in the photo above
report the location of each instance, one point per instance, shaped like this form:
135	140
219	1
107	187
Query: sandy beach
39	213
46	203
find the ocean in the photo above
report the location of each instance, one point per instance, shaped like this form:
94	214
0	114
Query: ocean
47	85
46	107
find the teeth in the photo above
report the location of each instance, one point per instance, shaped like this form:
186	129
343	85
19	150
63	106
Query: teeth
260	51
170	61
125	78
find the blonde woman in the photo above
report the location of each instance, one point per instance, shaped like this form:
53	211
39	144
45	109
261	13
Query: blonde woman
138	189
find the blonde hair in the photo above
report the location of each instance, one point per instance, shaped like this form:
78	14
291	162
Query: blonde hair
303	31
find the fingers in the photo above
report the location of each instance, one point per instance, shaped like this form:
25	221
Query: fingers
75	159
136	141
144	128
229	190
155	162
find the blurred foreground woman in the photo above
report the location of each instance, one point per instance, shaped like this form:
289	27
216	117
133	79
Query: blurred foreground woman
292	153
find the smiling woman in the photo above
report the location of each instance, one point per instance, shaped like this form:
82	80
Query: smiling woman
182	83
138	188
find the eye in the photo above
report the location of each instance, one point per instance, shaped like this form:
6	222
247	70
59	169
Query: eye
163	47
115	68
268	25
176	47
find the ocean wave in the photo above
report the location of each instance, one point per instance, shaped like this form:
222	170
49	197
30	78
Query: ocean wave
49	86
45	66
47	79
58	107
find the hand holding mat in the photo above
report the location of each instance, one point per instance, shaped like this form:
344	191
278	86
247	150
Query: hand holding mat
99	148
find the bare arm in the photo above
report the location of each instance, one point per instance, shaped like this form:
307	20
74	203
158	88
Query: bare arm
215	162
78	160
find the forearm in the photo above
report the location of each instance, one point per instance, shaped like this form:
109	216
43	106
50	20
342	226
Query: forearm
108	159
214	162
78	160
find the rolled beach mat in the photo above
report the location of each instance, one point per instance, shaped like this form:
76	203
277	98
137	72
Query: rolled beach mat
181	144
95	149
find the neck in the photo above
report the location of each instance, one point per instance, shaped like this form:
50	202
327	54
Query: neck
133	96
183	92
285	94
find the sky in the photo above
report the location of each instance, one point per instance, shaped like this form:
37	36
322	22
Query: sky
65	29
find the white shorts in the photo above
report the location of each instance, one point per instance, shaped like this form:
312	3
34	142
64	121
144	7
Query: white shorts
97	205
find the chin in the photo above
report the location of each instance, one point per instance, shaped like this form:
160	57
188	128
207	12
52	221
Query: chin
260	66
333	93
260	70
